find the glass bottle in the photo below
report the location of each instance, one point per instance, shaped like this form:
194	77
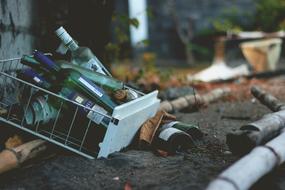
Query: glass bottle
82	56
191	129
75	80
172	140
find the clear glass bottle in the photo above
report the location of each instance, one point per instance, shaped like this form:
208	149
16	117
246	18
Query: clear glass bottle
82	56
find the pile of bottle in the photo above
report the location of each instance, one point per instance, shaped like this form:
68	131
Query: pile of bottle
82	79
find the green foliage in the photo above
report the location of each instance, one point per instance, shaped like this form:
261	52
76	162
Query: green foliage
270	15
121	23
121	39
229	20
203	51
134	22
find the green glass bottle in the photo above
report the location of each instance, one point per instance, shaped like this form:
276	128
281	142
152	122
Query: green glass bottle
191	129
32	76
81	99
101	80
82	56
172	140
106	82
75	80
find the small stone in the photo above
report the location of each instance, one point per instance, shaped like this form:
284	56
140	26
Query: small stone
227	152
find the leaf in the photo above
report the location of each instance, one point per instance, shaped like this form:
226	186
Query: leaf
134	22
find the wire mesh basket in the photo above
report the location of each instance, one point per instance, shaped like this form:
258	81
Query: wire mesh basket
65	126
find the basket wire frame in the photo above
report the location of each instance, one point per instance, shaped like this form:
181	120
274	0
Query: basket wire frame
68	138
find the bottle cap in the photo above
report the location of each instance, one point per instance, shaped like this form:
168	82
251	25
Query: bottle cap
63	35
66	38
60	31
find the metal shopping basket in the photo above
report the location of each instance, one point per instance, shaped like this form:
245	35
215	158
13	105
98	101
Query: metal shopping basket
67	131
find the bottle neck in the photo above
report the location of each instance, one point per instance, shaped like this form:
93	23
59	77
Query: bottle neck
66	39
72	46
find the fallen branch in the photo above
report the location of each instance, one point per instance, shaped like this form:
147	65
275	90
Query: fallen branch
245	172
261	131
194	100
14	157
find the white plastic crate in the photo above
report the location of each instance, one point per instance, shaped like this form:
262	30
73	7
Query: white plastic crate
126	118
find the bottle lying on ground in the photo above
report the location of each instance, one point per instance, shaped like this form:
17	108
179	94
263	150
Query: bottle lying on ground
75	80
191	129
172	140
82	56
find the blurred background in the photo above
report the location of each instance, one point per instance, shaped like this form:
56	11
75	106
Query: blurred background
142	36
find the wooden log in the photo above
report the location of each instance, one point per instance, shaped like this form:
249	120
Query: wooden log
245	172
14	157
194	100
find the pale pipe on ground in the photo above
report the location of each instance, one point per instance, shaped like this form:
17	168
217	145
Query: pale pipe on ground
246	171
267	99
260	131
14	157
194	100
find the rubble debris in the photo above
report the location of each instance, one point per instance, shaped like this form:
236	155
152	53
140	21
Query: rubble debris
11	158
261	131
246	171
262	54
194	100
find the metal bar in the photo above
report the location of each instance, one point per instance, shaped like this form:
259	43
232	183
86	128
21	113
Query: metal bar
10	66
5	105
71	125
2	66
25	110
62	138
47	138
17	65
37	126
18	58
56	133
85	134
56	95
56	119
9	112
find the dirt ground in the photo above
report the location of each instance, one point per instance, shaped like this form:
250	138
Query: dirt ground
135	169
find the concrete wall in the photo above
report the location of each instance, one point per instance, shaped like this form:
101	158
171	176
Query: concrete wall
16	28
